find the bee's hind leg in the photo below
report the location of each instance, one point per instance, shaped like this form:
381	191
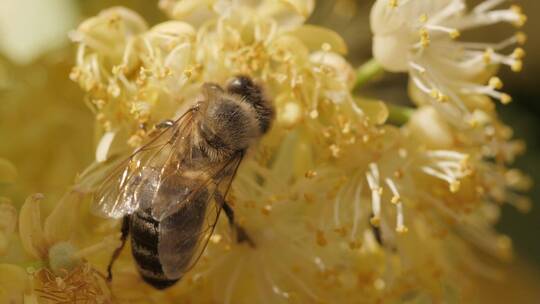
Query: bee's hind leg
241	234
117	251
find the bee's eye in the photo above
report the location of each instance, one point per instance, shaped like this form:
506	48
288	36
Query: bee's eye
241	85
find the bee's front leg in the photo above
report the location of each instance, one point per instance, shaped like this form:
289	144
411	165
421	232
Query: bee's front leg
241	234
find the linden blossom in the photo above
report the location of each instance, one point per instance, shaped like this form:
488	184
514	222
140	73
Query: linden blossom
421	38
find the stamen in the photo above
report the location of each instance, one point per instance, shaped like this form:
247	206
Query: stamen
449	166
424	38
486	6
454	33
396	200
454	184
417	67
356	212
376	192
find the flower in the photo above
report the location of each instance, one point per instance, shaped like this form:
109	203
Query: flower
49	264
288	14
421	38
176	58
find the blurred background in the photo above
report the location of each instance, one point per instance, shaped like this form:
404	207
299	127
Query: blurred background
38	102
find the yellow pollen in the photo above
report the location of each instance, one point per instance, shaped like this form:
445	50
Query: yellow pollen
518	53
424	37
495	83
465	161
517	66
310	174
402	229
522	18
375	221
423	18
107	125
524	205
346	128
326	47
505	98
100	103
504	245
336	151
135	140
521	38
117	69
488	56
266	209
442	97
454	186
473	122
216	238
454	34
393	3
395	199
75	74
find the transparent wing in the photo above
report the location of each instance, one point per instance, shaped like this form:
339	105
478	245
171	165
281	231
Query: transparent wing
185	232
134	181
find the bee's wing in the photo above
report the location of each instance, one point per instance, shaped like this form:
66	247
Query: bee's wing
135	180
185	232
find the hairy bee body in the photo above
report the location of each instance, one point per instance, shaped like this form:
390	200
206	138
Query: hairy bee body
171	193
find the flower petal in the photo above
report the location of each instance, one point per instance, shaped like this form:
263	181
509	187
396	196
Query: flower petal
60	224
13	283
315	37
8	172
32	236
8	223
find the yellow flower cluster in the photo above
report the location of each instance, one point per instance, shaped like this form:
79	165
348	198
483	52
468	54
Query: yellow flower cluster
343	206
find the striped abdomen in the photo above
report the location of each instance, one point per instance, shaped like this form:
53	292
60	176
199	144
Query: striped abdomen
173	241
144	247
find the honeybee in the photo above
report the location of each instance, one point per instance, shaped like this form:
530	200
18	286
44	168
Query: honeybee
170	192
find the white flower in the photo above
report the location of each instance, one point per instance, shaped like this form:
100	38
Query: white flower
287	13
420	37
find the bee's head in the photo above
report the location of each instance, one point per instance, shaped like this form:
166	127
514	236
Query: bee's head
227	122
252	94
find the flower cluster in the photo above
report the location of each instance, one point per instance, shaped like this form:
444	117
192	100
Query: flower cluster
343	205
422	38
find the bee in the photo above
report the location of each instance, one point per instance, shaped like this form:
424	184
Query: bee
170	191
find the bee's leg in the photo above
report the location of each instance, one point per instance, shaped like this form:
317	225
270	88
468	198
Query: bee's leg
167	123
241	234
116	253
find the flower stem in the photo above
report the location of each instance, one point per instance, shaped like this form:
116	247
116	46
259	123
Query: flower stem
399	115
367	72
